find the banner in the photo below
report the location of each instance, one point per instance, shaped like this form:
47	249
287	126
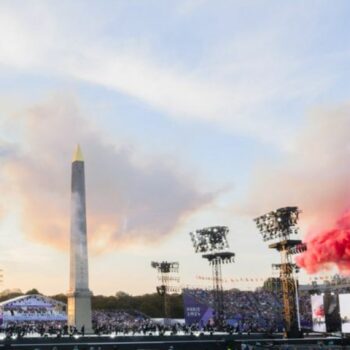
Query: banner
195	311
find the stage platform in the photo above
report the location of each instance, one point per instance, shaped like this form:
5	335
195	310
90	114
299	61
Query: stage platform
218	341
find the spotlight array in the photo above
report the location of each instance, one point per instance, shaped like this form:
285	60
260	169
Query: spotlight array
213	241
165	270
278	224
165	266
210	239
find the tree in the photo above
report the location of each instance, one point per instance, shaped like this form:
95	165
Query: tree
32	291
60	297
121	294
272	284
149	304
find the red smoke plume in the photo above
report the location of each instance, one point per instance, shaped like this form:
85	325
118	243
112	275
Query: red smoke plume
328	248
319	312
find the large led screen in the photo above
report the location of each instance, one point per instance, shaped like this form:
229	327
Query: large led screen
344	305
318	314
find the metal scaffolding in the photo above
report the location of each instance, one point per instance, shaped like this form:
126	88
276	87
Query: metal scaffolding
279	225
214	241
167	275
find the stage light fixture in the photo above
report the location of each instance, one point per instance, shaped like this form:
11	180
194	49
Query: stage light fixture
210	239
279	225
213	242
165	270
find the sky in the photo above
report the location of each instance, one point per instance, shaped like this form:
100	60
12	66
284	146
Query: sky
189	113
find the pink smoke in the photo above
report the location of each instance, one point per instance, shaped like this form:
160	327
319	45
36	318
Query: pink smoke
328	248
319	312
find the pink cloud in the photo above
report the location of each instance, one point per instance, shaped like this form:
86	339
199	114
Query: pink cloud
314	175
126	202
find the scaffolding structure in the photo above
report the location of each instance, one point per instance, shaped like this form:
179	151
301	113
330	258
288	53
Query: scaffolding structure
279	225
168	276
213	242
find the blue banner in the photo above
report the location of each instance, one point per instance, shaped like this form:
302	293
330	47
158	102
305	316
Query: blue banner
195	311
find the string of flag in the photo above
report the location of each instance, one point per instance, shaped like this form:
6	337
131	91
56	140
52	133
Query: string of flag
332	279
233	280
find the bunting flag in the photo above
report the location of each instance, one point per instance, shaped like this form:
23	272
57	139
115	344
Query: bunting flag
234	280
332	280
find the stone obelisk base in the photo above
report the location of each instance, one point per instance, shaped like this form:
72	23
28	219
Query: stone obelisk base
79	310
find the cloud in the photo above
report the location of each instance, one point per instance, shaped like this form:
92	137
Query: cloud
130	68
315	175
233	85
127	202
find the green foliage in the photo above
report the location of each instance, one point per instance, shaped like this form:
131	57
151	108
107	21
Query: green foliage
149	304
176	306
272	284
32	291
10	296
60	297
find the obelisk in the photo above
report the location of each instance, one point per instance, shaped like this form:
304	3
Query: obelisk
79	295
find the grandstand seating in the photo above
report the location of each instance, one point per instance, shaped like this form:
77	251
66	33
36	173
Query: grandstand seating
260	310
32	308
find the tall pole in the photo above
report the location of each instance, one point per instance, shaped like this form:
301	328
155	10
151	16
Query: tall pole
289	292
218	292
214	240
216	260
280	225
79	295
297	301
165	283
165	269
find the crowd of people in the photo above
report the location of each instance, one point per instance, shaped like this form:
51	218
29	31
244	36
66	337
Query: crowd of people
103	322
257	311
107	322
245	311
34	328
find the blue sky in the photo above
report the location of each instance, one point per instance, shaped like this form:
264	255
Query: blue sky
227	104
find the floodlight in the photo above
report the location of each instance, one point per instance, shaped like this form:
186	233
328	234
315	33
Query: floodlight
165	270
279	223
210	239
155	264
165	266
213	242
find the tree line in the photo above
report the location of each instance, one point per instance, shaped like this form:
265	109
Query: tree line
149	304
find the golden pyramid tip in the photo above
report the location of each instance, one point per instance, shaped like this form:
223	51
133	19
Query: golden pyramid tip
78	155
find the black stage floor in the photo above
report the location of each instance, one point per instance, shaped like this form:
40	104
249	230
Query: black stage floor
179	342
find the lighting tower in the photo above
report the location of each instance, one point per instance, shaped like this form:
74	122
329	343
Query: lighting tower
213	242
279	225
167	273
